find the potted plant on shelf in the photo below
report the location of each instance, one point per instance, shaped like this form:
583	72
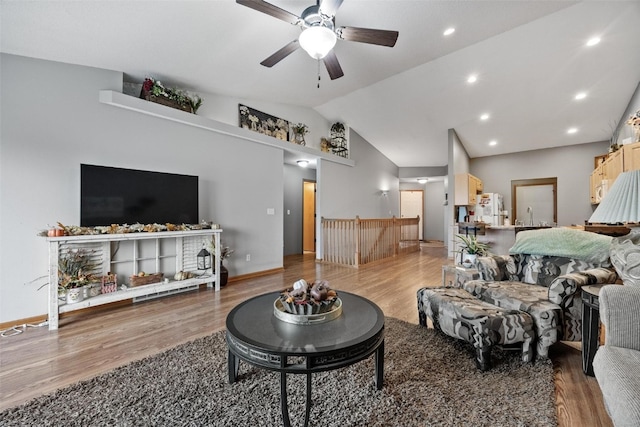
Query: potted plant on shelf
470	248
75	271
299	131
154	91
634	121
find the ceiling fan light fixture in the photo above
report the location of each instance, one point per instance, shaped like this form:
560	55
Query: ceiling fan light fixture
317	41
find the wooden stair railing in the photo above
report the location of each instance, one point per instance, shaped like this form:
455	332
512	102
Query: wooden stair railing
356	242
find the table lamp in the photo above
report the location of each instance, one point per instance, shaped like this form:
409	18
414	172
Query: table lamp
622	205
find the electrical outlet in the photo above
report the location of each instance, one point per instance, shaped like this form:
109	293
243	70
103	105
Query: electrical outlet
248	257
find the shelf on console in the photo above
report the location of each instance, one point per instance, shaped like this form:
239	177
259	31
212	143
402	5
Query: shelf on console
184	252
135	292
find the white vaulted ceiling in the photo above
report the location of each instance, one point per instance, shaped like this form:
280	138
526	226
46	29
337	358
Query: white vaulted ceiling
530	59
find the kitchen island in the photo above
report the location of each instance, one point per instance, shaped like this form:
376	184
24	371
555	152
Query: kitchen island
499	237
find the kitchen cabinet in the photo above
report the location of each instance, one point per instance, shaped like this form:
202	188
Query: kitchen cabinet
613	166
467	187
631	155
598	184
627	158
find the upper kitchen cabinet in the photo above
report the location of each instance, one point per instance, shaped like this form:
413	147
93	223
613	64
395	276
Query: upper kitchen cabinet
467	187
625	159
631	154
613	166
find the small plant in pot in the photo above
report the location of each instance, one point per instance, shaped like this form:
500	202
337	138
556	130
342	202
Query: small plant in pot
75	270
470	248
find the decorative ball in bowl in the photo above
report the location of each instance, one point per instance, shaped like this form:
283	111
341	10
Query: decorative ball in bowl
308	298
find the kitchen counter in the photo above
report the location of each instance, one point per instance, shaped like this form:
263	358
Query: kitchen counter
501	227
500	237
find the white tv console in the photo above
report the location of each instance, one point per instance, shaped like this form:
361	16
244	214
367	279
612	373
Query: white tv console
106	249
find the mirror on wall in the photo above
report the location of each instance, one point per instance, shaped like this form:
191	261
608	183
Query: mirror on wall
534	201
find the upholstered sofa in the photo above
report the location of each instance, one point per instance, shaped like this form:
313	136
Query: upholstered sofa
616	364
542	276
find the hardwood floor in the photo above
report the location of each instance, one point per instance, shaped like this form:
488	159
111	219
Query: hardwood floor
89	343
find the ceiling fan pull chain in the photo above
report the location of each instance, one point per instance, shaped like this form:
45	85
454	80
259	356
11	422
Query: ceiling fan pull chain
318	73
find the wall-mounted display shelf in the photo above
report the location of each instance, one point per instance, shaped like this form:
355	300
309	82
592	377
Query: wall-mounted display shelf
127	102
168	252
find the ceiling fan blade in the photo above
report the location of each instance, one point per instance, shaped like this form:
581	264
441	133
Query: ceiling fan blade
333	66
330	7
281	54
269	9
368	35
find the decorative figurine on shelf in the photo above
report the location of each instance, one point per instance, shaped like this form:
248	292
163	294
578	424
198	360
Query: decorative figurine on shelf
325	145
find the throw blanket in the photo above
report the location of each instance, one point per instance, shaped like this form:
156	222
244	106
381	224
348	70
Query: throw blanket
565	242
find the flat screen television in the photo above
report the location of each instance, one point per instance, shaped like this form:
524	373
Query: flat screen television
110	195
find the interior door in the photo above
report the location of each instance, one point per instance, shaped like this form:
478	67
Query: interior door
412	205
309	217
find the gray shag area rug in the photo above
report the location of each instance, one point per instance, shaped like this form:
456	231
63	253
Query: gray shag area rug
429	380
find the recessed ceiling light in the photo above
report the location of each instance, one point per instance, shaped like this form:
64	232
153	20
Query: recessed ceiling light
581	95
449	31
593	41
492	143
485	116
472	78
572	130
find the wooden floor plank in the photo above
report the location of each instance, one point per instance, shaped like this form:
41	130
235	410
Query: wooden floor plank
90	343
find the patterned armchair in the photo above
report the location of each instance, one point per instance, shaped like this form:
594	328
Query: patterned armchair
543	276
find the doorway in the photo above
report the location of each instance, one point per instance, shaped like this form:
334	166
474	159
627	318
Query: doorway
308	216
411	206
534	201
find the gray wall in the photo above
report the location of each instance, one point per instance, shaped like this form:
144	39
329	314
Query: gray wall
459	163
572	166
52	122
349	192
625	131
294	177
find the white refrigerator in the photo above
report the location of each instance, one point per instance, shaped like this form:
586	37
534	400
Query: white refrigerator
489	209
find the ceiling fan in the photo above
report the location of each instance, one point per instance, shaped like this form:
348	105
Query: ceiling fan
319	34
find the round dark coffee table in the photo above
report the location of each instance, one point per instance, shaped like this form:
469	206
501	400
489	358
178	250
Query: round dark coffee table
256	336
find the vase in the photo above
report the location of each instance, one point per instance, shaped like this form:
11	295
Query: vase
75	295
93	290
299	139
224	273
469	260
